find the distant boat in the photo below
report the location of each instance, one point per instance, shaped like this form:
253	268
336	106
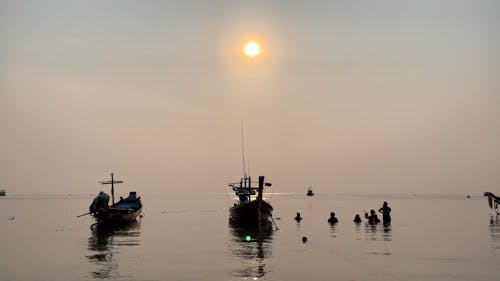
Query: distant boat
250	212
2	192
120	213
493	201
310	191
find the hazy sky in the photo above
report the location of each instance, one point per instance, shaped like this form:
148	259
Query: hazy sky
348	96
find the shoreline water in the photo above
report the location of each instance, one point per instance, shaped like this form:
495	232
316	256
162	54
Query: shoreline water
189	238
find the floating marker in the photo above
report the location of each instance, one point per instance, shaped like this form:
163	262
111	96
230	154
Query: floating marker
248	238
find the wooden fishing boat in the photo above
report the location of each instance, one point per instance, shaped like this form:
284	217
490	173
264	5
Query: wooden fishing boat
123	212
493	201
250	210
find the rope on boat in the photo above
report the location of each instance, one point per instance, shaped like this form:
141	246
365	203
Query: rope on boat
275	225
273	190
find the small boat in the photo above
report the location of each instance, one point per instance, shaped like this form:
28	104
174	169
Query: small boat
493	201
248	212
2	192
310	192
123	212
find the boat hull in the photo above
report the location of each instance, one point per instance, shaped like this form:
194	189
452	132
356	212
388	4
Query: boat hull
116	217
251	213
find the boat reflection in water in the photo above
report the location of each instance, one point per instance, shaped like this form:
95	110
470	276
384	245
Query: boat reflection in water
105	245
495	231
252	246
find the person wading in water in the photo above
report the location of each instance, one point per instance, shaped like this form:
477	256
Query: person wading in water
386	213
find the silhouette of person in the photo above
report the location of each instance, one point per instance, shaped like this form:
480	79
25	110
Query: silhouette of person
333	219
357	218
372	218
297	217
386	213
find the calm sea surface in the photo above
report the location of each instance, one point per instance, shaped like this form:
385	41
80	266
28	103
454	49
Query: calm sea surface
187	237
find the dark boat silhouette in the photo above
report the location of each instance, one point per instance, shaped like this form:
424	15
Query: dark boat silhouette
250	211
123	212
493	201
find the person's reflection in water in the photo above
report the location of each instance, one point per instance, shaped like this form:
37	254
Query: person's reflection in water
103	244
381	237
253	245
333	230
377	232
387	237
371	231
386	232
357	227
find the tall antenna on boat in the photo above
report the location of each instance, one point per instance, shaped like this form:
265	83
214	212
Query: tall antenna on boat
243	150
112	182
248	164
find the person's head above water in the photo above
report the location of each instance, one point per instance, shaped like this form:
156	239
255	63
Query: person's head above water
385	204
357	218
372	212
297	217
332	214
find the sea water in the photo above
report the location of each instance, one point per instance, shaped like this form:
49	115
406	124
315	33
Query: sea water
188	237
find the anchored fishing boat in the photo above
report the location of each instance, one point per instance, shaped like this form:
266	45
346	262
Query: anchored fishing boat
123	212
250	211
493	201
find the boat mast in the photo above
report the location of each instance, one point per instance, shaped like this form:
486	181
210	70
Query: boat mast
112	182
243	151
245	177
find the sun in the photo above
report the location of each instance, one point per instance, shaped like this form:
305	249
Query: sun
252	49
